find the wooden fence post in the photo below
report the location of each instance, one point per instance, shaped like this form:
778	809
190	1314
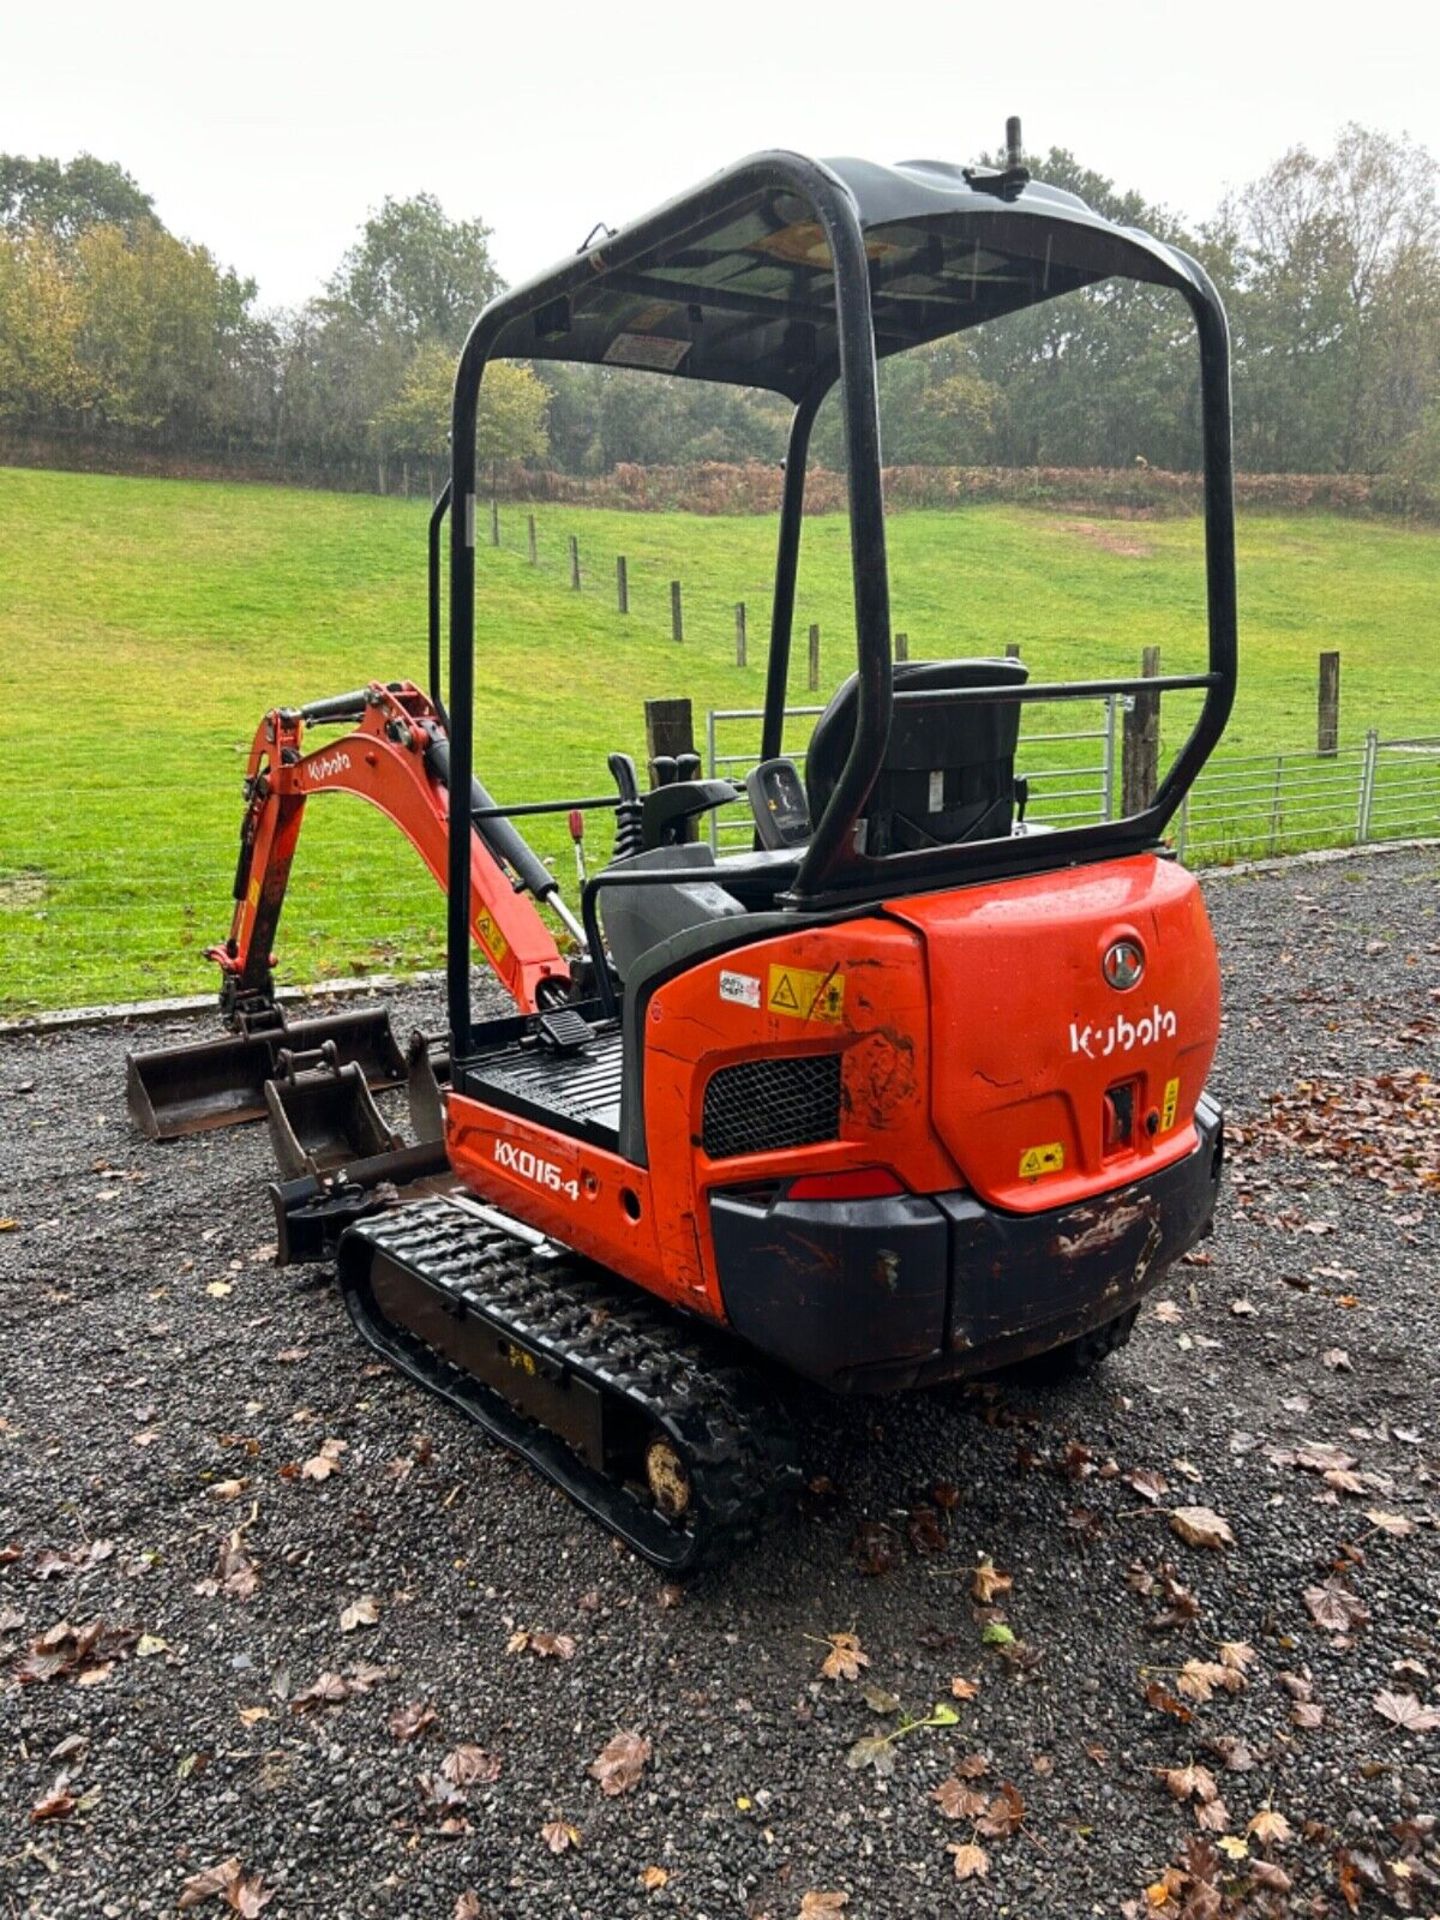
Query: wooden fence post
622	584
902	646
531	537
1140	772
574	563
815	659
677	617
740	633
669	733
1328	741
494	521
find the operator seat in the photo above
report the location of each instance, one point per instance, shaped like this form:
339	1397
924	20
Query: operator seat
949	768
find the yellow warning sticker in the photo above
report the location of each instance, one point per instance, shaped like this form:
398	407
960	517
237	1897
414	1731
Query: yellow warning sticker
1169	1104
805	994
1047	1159
252	899
491	937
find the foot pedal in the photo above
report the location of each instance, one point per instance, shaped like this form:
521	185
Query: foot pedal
563	1030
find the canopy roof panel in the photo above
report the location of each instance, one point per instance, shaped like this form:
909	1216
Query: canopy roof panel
747	295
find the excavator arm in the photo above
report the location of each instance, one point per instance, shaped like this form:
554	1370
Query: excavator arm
396	757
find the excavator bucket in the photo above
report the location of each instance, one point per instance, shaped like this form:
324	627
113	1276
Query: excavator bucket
175	1091
338	1160
323	1115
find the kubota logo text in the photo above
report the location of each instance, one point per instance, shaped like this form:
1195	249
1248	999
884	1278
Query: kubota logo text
332	763
1121	1035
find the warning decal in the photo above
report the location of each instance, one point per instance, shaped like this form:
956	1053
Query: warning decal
646	350
1047	1159
805	994
491	938
1169	1104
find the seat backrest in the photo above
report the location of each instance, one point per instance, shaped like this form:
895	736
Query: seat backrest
949	769
641	917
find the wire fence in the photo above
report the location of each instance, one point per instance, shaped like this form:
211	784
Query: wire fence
1243	806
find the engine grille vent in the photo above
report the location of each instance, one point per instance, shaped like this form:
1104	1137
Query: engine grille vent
764	1106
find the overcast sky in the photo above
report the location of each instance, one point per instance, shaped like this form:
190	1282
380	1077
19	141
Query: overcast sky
268	130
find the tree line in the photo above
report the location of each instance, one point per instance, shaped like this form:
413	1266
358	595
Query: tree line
119	333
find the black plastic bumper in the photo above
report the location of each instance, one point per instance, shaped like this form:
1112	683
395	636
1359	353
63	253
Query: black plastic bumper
874	1295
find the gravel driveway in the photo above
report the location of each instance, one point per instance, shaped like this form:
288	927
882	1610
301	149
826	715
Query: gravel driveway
195	1452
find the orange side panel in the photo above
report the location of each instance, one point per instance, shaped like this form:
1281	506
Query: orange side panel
1029	1036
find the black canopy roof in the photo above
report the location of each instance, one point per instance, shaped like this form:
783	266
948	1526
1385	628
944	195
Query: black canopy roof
747	294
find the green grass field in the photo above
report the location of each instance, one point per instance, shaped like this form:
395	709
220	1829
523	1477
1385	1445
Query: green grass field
147	624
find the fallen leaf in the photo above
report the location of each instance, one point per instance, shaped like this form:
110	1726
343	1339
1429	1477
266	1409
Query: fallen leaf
653	1878
559	1836
963	1689
327	1461
1271	1829
987	1583
467	1906
409	1722
873	1750
1403	1710
227	1489
470	1766
957	1801
814	1906
1005	1814
971	1861
1201	1527
58	1804
330	1690
621	1761
845	1660
1198	1679
247	1896
208	1882
1145	1481
547	1646
1395	1524
1335	1607
1189	1783
364	1612
1163	1702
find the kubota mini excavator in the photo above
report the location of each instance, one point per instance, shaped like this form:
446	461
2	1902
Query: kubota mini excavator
909	1090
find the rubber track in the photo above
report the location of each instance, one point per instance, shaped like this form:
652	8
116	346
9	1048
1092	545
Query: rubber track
731	1432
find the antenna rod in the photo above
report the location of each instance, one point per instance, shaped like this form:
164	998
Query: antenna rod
1012	141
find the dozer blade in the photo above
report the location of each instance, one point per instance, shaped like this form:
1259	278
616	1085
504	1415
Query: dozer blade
313	1211
175	1091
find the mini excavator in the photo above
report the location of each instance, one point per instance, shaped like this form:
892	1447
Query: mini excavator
908	1090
